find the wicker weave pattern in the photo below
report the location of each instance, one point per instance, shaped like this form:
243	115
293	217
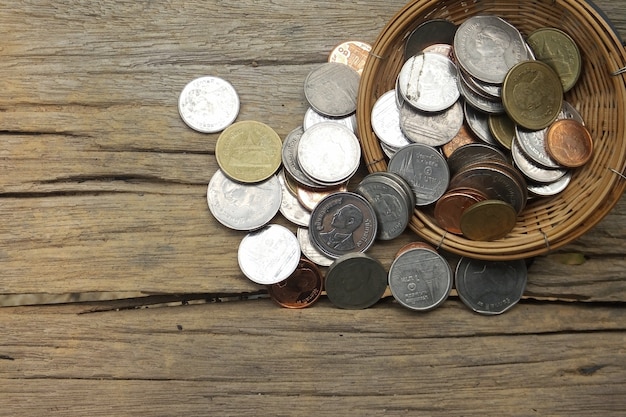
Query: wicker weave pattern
600	98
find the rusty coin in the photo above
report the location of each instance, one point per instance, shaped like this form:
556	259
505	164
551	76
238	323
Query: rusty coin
301	289
569	143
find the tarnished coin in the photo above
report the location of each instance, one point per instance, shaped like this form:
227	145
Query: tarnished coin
310	250
450	207
301	289
487	47
249	151
424	168
331	89
532	94
488	220
557	49
490	287
386	121
208	104
290	158
532	170
329	153
290	207
269	255
351	53
420	279
342	223
503	129
355	281
569	143
243	206
428	33
427	81
473	153
430	128
311	117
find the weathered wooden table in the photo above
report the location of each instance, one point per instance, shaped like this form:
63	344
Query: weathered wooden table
112	266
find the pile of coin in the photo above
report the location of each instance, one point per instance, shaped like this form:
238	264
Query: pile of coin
477	122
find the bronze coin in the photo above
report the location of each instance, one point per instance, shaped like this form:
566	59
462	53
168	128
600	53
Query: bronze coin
450	208
569	143
301	289
488	220
414	245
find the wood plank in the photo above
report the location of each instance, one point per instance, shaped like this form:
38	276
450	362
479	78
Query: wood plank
255	358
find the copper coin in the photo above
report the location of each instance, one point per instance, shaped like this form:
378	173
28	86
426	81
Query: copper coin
450	208
414	245
464	137
301	289
488	220
569	143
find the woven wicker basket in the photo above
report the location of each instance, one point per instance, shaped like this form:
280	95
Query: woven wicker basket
600	97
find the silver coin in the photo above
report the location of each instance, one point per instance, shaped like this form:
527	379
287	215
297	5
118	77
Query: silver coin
532	143
427	82
208	104
487	47
290	207
431	128
386	121
491	91
480	102
550	189
310	250
243	206
343	222
290	158
329	153
490	287
532	170
388	150
478	122
269	255
472	153
420	279
311	117
424	168
331	89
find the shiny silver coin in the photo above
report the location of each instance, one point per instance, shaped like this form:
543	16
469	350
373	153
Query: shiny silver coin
487	46
478	101
386	121
424	168
311	117
431	32
478	122
290	158
427	82
290	207
269	255
208	104
487	90
431	128
355	281
420	279
329	153
532	170
241	206
550	189
532	143
343	222
473	153
310	250
388	150
331	89
490	287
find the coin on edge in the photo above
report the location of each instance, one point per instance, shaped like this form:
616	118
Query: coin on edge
490	287
249	151
355	281
208	104
569	143
301	289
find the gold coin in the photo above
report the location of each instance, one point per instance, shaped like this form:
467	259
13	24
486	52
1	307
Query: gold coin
249	151
502	128
488	220
532	94
557	49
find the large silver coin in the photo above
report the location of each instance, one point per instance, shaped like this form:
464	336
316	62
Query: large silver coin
208	104
490	287
429	128
243	206
386	121
427	82
331	89
290	158
269	255
420	279
424	168
355	281
329	153
487	47
343	222
311	117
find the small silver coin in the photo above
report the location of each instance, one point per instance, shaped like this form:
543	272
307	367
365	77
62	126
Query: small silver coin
329	153
290	207
532	170
269	255
343	222
208	104
310	250
241	206
355	281
311	117
478	122
424	168
490	287
550	189
331	89
386	121
420	279
427	81
290	158
431	128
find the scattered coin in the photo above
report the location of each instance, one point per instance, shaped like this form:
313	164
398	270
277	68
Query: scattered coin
569	143
249	151
490	287
355	281
351	53
290	158
269	255
488	220
208	104
301	289
331	89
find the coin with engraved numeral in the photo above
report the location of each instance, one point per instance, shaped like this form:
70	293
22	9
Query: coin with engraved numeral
208	104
